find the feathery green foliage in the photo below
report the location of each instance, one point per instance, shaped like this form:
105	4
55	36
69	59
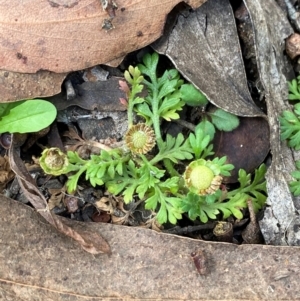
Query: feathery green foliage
156	177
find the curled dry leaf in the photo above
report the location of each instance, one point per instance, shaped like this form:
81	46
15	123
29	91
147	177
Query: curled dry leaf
6	174
56	198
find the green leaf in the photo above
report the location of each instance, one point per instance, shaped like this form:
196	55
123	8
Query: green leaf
144	111
224	121
27	116
169	209
224	168
170	115
210	206
149	67
167	88
200	144
290	127
207	127
174	149
294	89
192	96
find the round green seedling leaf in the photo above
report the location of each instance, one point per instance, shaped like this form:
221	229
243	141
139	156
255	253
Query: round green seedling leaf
28	116
224	121
192	96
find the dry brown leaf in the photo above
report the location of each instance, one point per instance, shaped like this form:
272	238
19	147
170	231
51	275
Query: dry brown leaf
245	147
17	86
66	35
38	263
292	45
56	198
6	174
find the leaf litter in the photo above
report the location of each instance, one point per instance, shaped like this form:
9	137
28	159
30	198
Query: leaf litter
251	112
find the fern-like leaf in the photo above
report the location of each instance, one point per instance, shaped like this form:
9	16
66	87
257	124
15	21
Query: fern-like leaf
174	149
290	127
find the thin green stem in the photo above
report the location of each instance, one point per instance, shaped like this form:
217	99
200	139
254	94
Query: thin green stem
156	117
170	168
130	112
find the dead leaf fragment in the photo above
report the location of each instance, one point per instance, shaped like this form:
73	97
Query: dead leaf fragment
101	95
245	147
6	174
17	86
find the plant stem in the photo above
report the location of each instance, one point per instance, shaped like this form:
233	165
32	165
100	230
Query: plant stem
130	111
170	168
156	121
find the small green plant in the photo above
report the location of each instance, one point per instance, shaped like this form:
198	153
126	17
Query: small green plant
228	202
290	130
294	89
26	116
148	166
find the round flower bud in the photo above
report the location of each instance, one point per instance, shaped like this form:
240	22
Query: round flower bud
54	162
202	177
140	138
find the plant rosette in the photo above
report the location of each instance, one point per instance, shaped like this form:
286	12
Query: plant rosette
203	177
54	161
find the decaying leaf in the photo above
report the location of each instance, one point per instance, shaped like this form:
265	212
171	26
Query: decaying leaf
101	95
67	35
38	263
246	147
57	196
17	86
280	217
204	47
90	242
6	174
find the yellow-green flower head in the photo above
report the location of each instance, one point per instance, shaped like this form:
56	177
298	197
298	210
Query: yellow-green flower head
202	177
53	161
140	138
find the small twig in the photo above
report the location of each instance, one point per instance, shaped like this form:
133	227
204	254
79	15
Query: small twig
186	124
189	229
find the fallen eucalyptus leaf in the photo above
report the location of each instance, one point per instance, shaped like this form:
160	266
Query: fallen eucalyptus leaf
213	61
68	35
39	264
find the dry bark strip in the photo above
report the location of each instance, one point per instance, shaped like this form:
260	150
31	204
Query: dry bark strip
38	263
281	217
67	35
